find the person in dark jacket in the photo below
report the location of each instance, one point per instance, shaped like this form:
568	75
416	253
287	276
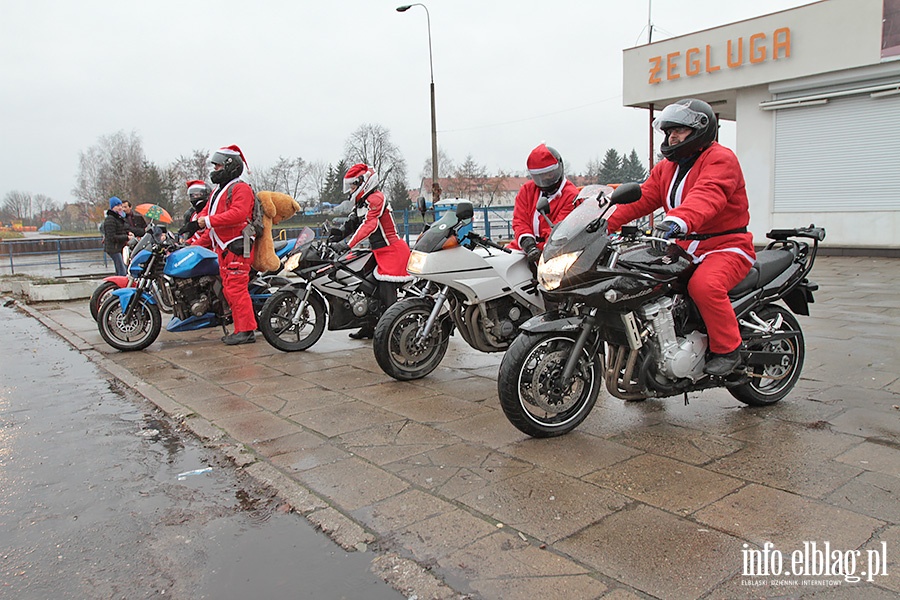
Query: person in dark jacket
116	234
136	223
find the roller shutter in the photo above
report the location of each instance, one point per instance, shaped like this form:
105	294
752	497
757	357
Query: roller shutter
842	156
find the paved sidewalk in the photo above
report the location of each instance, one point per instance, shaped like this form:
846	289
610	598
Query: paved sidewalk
644	500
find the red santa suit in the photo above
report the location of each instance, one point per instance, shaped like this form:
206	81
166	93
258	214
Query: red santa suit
229	209
377	225
710	200
526	219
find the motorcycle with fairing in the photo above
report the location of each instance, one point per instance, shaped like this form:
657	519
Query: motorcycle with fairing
167	277
485	292
625	318
325	289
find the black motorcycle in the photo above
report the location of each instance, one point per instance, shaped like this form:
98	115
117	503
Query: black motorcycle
326	289
624	316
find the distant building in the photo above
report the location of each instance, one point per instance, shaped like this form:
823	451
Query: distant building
481	191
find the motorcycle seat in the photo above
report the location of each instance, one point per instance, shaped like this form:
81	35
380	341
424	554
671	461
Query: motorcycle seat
769	265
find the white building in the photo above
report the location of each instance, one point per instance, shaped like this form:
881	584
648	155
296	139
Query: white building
815	95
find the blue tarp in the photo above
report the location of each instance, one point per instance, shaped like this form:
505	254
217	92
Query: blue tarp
49	226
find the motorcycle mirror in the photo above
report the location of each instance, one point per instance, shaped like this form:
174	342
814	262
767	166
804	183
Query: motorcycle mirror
626	193
420	204
543	205
465	210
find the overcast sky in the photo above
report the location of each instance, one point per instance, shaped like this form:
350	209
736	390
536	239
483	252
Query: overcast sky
296	78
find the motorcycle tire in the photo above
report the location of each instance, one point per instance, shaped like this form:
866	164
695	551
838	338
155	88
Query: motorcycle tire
393	342
99	296
138	333
526	384
276	321
770	383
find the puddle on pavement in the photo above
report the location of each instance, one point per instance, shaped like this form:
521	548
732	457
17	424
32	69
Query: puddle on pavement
91	503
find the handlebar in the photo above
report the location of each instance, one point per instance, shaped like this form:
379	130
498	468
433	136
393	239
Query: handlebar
812	232
486	242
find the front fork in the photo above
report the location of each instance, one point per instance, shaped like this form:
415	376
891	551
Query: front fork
580	343
304	301
432	318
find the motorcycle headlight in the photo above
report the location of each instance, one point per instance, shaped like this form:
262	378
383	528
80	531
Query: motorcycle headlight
416	261
292	262
550	273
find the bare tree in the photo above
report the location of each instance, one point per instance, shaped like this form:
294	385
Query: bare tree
318	179
445	165
42	205
114	166
17	205
467	179
371	144
289	176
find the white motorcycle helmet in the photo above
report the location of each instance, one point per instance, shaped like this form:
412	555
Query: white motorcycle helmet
364	177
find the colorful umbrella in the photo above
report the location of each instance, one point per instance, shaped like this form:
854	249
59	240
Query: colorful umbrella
154	212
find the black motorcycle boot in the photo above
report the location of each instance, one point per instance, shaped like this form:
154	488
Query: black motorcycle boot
243	337
364	333
721	365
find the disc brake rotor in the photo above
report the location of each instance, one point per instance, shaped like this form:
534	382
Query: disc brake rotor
546	393
407	332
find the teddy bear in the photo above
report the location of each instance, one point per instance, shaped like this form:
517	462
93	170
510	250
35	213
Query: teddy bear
276	207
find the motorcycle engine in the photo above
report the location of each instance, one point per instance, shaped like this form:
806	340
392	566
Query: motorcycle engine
679	357
193	297
359	304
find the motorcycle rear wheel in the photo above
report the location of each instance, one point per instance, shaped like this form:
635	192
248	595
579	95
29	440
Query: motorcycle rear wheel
277	326
135	334
527	385
393	343
99	296
770	383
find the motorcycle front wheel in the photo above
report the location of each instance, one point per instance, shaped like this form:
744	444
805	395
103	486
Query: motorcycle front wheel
770	383
396	349
277	324
99	296
129	335
528	384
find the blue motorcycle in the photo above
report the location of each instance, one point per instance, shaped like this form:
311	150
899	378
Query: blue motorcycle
177	280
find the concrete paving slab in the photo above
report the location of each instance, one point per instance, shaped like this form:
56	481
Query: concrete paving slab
426	470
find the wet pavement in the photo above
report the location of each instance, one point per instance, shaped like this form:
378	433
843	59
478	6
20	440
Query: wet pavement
644	500
102	497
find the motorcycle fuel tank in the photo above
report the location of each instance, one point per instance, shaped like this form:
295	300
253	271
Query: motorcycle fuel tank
193	261
136	266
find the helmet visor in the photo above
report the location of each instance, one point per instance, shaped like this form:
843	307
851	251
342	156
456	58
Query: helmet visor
545	178
679	115
349	183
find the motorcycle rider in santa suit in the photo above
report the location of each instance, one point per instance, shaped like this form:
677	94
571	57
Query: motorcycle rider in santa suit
548	178
371	218
700	186
198	194
229	209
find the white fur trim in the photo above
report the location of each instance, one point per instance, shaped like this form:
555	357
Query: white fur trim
395	278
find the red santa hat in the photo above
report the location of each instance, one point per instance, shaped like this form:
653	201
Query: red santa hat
195	185
233	150
541	160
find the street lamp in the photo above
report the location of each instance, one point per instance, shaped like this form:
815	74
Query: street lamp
435	186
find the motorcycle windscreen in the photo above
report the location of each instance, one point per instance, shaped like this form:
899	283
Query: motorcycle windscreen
572	226
433	239
193	261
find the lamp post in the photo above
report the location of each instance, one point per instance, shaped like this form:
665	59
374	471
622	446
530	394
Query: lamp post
435	186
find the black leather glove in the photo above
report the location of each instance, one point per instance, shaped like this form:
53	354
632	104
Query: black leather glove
340	246
189	228
666	229
529	247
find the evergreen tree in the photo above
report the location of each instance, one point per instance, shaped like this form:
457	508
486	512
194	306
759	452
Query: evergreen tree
632	168
333	191
611	168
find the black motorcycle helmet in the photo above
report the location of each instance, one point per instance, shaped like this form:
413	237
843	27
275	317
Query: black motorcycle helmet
693	113
198	193
232	160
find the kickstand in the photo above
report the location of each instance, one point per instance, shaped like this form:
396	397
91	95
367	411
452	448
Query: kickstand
686	399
